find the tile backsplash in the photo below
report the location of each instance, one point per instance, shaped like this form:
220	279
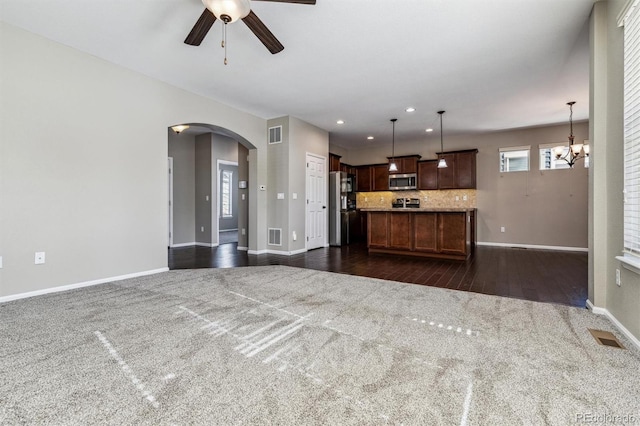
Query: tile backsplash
451	198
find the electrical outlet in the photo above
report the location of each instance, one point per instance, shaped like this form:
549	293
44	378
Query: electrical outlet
502	229
244	231
39	258
294	195
202	229
618	282
426	199
457	198
382	199
464	197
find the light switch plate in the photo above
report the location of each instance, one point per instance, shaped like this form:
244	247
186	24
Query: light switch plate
280	195
0	262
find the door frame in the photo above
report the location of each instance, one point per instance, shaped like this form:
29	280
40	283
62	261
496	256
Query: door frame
325	217
170	200
215	216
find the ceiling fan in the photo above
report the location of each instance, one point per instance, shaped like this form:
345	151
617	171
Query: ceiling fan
229	11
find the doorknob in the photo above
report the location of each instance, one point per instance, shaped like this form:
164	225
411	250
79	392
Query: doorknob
324	207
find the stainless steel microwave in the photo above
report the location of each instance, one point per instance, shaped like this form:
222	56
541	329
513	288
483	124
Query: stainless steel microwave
402	182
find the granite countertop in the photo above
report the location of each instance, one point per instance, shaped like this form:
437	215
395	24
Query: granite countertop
417	210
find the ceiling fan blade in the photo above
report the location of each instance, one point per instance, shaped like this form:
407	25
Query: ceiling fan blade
293	1
262	32
201	28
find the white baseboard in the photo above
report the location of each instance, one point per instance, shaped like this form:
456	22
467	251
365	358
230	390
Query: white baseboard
206	244
256	251
280	252
614	320
11	297
533	246
302	250
193	243
242	248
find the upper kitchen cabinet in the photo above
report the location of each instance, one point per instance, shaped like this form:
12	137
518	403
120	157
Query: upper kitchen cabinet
406	163
347	168
460	172
380	177
428	174
334	163
363	178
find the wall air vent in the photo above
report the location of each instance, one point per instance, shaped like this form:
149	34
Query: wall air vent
275	237
275	134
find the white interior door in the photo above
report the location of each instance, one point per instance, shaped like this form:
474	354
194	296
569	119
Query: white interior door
316	202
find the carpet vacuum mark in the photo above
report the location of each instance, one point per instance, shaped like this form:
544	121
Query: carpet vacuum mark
282	345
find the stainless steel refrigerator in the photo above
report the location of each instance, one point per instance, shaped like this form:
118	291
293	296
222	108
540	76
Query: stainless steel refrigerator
342	207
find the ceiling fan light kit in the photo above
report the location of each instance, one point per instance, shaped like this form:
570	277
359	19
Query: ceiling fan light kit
229	11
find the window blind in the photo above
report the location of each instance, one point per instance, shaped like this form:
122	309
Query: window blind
632	130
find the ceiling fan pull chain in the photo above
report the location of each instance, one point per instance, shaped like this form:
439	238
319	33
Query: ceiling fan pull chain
224	42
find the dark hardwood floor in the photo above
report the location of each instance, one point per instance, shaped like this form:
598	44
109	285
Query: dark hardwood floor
539	275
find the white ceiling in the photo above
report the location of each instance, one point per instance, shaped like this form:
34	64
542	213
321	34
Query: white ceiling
491	64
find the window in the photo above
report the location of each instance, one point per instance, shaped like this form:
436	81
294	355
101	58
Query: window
632	132
548	158
514	159
226	179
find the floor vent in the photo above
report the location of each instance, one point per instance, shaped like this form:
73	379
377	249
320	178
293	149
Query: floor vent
606	338
275	237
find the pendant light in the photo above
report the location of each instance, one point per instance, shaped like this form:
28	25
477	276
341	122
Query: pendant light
575	151
442	163
392	166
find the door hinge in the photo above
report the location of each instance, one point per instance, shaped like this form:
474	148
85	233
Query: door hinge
307	238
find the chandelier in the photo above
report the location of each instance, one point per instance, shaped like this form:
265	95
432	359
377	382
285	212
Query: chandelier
576	151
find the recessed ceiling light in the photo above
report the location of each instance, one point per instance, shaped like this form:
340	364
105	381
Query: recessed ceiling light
429	130
340	121
370	137
410	109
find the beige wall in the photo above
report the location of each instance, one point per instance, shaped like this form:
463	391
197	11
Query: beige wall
182	150
287	175
83	165
605	188
537	208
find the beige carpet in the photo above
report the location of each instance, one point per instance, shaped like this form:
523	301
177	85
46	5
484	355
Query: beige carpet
281	345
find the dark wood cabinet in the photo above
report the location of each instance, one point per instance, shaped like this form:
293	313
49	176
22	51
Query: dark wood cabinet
406	163
428	174
347	168
334	163
400	231
453	233
460	172
363	178
377	230
425	232
446	179
466	169
449	234
380	177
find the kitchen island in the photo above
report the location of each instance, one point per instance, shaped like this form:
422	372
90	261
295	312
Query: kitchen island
430	232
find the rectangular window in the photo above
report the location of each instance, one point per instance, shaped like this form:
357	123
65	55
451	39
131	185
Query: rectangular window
226	178
514	159
632	132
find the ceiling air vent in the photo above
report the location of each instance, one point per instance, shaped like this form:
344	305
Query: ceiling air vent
275	134
275	237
